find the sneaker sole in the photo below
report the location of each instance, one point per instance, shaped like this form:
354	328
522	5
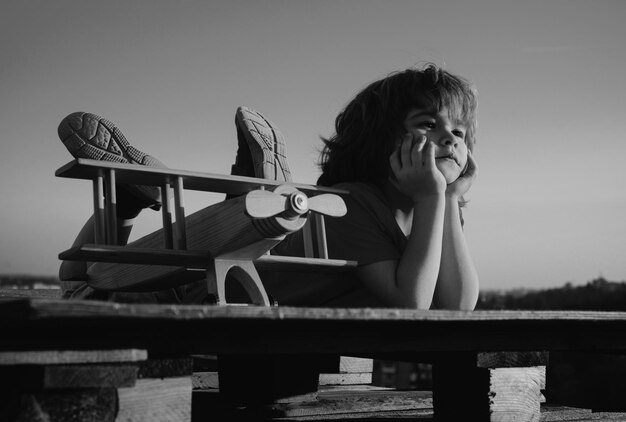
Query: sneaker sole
266	144
90	136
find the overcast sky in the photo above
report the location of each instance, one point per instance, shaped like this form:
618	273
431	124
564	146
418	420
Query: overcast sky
548	207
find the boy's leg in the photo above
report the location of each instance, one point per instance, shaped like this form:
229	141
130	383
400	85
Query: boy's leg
72	274
90	136
261	153
261	148
77	270
87	135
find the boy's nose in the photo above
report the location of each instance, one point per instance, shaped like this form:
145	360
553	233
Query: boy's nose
446	138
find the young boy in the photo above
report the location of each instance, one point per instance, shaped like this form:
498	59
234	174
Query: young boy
402	148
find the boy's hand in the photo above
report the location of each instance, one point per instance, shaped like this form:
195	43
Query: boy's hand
413	165
462	185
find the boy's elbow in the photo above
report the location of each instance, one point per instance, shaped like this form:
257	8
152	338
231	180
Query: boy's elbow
470	299
424	304
468	305
418	302
464	302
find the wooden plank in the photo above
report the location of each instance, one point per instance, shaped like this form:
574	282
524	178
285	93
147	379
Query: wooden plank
253	329
206	380
605	417
88	376
564	413
353	371
88	405
51	293
67	377
166	367
511	359
357	402
515	393
365	403
156	400
346	379
351	364
464	391
204	363
346	364
200	181
520	320
45	357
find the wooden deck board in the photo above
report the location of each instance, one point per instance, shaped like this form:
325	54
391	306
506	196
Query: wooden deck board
49	308
253	329
378	404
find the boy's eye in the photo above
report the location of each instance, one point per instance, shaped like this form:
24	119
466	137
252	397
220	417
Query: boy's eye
428	125
458	133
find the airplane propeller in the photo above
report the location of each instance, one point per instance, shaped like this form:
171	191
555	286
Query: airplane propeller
265	204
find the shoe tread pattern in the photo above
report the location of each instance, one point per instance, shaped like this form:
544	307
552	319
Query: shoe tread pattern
87	135
266	141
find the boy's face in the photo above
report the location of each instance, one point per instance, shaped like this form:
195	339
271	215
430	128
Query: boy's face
447	134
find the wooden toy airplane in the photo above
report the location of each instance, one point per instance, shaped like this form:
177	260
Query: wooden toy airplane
230	237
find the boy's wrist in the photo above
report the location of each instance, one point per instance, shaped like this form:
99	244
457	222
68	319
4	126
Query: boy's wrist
430	198
450	196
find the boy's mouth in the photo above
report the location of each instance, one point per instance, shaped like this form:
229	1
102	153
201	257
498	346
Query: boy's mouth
451	157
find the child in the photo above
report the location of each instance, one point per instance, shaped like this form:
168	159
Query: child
402	148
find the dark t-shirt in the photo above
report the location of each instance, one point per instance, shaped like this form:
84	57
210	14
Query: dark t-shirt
368	233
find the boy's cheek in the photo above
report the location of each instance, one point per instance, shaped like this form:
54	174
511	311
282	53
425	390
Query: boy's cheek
464	167
450	175
417	134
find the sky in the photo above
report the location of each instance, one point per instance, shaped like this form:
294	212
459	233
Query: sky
549	202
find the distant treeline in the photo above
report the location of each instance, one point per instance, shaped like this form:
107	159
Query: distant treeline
23	281
597	295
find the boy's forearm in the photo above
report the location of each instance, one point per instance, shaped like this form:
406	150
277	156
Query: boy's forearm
457	284
416	274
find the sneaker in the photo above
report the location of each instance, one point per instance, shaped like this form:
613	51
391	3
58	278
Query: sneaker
261	147
87	135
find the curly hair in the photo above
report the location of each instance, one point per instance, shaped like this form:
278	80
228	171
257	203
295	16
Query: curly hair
368	127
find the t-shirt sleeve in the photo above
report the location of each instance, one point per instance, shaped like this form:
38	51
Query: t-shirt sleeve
368	232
